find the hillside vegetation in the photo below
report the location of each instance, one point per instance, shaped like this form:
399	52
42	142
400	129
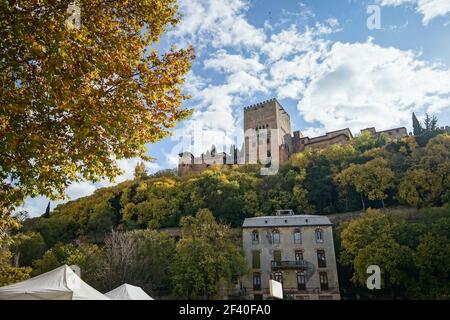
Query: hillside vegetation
370	172
411	244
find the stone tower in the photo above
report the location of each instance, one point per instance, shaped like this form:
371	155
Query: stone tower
267	115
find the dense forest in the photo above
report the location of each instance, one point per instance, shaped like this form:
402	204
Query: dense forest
369	173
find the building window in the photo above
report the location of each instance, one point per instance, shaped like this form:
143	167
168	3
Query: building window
278	276
255	237
319	235
323	281
256	259
277	255
321	262
275	237
301	280
298	255
256	281
297	236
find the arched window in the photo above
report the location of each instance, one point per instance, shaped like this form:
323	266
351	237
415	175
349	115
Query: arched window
275	237
319	235
297	236
255	237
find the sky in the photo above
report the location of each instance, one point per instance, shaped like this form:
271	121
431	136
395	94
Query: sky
331	64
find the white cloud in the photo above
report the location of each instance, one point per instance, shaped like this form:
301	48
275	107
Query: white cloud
231	63
217	23
313	132
429	9
362	84
292	41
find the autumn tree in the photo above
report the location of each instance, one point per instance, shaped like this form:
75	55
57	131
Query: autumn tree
75	100
140	171
420	187
370	179
428	181
9	273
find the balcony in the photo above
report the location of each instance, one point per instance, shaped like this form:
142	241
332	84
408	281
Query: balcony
296	264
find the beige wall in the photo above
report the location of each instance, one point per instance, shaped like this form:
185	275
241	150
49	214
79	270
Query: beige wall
287	246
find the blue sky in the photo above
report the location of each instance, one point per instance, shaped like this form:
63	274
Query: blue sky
318	58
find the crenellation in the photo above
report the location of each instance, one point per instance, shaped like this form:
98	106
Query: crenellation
269	121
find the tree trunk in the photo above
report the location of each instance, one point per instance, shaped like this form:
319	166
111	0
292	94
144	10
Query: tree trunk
362	202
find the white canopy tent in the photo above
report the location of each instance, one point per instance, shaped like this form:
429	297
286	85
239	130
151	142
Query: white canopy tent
59	284
128	292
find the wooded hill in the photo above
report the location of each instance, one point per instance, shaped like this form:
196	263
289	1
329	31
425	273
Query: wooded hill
369	172
410	245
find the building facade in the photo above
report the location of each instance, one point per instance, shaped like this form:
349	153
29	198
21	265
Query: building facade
395	133
266	123
268	137
296	250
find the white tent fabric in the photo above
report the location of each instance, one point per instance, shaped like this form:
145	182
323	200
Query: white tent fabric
128	292
59	284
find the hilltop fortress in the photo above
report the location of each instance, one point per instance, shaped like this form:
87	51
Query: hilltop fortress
268	137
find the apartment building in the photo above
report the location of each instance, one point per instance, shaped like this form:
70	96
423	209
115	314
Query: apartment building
296	250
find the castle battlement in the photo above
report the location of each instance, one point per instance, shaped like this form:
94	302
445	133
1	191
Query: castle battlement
259	105
263	104
271	115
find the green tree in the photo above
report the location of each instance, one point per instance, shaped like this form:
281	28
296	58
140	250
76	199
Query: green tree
372	239
370	179
417	127
206	258
366	141
102	219
430	123
85	256
420	187
432	259
8	272
155	253
75	100
140	171
27	247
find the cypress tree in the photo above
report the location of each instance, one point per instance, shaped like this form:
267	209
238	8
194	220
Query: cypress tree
416	125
